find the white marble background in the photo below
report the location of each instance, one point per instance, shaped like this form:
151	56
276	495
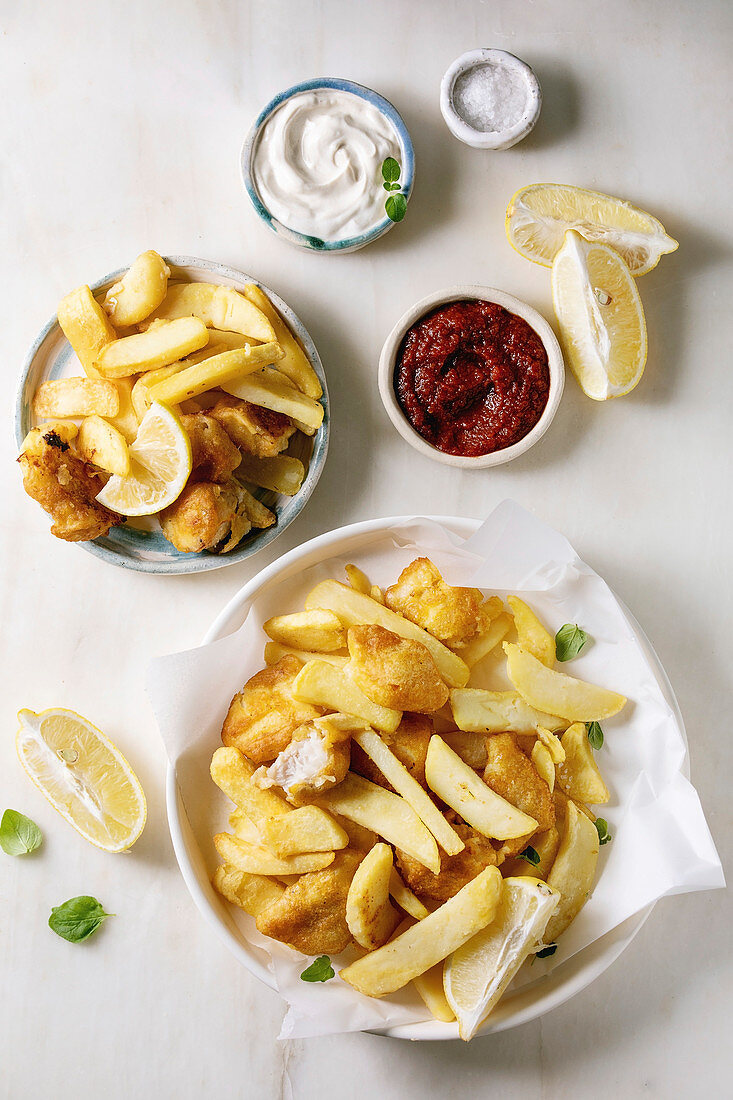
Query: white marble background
119	131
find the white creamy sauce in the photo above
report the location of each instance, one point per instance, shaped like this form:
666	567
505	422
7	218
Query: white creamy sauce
318	161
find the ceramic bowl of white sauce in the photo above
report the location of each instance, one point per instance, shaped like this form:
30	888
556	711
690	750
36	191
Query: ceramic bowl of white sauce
313	161
490	99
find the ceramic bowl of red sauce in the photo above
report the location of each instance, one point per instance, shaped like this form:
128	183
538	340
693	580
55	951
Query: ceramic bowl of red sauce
471	376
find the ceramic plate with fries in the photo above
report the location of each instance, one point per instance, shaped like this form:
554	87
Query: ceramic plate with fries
369	816
173	417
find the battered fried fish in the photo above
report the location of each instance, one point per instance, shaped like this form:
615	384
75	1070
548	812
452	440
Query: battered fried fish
256	431
263	717
395	672
513	776
450	614
65	487
316	759
455	871
409	743
213	517
214	455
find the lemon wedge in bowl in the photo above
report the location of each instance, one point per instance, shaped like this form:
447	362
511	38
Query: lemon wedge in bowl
83	775
601	319
160	465
476	975
539	216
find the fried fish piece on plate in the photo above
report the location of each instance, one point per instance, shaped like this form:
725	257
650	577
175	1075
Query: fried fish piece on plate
513	776
207	517
256	431
455	871
214	457
263	717
316	759
409	743
393	671
65	487
450	614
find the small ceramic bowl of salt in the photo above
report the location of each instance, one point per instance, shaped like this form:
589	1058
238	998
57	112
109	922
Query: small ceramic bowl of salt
490	99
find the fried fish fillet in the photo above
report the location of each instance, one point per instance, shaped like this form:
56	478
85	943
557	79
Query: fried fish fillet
256	431
214	455
316	759
311	914
409	743
455	871
450	614
512	775
65	487
263	717
393	671
207	517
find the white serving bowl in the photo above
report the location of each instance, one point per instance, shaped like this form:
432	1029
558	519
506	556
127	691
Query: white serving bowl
515	1008
393	343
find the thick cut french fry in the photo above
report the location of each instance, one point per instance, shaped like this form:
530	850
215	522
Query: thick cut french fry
370	916
228	341
307	829
158	347
480	646
557	693
279	473
318	630
243	827
359	580
386	814
232	772
397	774
471	747
428	942
552	743
86	326
430	987
543	764
579	775
353	608
253	893
324	685
213	372
545	845
259	861
466	793
405	898
295	364
101	444
139	291
274	652
257	513
573	871
127	421
220	307
532	635
140	395
272	391
76	397
478	711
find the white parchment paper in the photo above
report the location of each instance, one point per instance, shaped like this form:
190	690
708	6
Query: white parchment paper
661	843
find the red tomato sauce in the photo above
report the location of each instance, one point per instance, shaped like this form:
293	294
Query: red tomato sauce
472	378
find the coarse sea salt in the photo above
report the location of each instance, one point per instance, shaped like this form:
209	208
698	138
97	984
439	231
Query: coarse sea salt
490	98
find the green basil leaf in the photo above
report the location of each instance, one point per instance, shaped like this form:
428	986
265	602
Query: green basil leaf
602	829
396	207
77	918
531	855
595	734
569	641
391	170
18	834
320	970
547	951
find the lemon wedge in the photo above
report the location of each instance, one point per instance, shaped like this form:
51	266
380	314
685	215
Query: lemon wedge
83	775
160	464
476	975
538	217
602	326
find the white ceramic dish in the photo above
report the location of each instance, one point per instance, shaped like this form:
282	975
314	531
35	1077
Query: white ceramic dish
490	139
141	545
388	359
515	1008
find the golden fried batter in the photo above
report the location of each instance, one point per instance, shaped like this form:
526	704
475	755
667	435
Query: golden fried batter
455	871
394	671
311	915
262	718
316	759
207	517
513	776
256	431
65	487
450	614
214	455
409	743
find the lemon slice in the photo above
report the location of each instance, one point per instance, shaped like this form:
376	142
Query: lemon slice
161	462
538	217
83	775
602	326
477	974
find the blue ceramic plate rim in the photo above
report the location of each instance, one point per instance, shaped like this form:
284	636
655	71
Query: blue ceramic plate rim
315	244
179	563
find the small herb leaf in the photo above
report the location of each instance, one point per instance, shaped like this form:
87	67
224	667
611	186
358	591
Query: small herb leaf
391	170
595	734
531	855
396	207
547	951
602	829
569	641
77	918
18	834
320	970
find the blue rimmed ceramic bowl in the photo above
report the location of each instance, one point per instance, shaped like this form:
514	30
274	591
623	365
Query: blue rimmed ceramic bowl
140	544
407	163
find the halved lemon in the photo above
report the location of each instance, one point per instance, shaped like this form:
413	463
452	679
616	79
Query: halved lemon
161	463
538	217
476	975
601	319
83	775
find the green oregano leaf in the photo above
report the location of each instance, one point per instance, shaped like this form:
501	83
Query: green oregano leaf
396	207
602	829
18	834
569	641
531	855
320	970
77	918
391	170
595	734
